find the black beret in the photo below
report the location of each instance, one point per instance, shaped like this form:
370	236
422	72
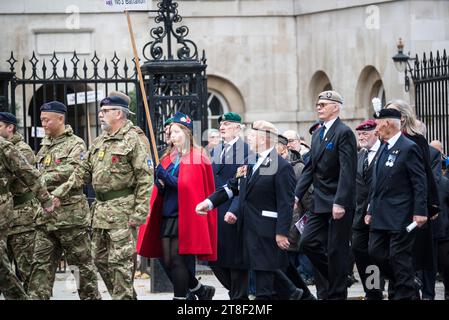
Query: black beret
7	117
282	140
314	126
388	113
54	106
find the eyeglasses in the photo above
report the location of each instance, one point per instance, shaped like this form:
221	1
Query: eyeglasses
104	111
292	140
323	105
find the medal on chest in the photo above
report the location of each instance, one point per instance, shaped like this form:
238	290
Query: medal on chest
47	160
101	155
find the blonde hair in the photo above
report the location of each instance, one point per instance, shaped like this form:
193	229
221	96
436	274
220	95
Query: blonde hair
409	122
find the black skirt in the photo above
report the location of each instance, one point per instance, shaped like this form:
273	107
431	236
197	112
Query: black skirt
169	227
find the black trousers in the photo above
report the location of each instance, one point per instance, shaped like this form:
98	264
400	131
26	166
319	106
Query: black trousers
264	284
392	252
325	242
360	238
234	280
443	265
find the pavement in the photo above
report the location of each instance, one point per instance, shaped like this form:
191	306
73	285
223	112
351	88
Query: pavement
65	288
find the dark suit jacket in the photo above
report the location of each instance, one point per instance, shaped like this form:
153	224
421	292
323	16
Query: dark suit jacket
399	191
331	169
265	210
223	171
363	192
432	192
441	226
435	163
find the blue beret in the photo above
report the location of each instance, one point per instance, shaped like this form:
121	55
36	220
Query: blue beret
54	106
115	101
7	117
183	119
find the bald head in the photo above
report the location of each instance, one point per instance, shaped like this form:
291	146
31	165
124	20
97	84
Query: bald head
294	142
437	145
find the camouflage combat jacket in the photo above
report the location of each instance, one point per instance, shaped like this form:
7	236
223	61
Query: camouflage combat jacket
120	170
26	206
57	160
14	164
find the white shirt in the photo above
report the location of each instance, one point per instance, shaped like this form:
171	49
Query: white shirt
393	140
228	146
372	151
262	156
328	125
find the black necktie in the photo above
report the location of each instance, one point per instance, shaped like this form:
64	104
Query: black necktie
322	130
365	163
223	153
251	166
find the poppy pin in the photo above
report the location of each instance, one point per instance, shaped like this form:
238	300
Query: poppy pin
115	159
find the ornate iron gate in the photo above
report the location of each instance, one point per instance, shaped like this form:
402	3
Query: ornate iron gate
172	83
431	80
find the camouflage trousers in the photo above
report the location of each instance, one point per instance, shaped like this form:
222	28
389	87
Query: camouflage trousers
49	247
10	286
113	255
21	246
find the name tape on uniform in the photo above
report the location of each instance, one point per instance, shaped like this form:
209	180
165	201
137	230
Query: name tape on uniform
130	5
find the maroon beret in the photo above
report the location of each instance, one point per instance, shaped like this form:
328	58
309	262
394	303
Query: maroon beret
366	125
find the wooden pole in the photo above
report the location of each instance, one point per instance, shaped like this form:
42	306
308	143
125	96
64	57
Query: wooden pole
142	89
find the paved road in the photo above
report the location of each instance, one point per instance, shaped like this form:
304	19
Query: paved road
65	289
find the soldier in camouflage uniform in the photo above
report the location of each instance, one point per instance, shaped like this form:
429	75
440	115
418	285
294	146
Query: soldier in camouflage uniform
120	170
14	164
67	231
21	235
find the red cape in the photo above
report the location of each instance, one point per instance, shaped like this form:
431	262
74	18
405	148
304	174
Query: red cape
197	234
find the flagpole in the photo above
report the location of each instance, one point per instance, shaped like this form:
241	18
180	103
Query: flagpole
142	89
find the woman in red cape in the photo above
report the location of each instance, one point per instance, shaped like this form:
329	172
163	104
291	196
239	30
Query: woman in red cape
174	231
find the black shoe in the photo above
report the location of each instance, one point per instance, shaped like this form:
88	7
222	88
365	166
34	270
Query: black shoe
191	296
418	286
308	297
205	292
296	295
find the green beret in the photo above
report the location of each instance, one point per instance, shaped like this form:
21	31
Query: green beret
168	121
230	116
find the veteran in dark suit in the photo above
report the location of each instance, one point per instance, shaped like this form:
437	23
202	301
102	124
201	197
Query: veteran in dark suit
266	195
369	143
332	170
226	159
398	197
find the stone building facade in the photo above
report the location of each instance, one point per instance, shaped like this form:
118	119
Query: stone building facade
267	59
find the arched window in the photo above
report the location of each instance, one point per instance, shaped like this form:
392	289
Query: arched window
216	106
369	86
